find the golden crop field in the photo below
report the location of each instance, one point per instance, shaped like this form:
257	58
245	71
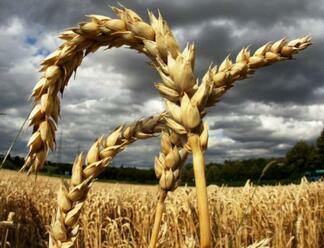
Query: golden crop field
120	215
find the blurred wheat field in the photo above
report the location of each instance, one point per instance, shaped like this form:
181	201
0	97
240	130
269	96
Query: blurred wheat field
121	215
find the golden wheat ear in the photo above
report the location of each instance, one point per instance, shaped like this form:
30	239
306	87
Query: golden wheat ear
72	195
246	63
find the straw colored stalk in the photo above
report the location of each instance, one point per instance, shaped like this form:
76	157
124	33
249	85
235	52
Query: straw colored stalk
186	100
168	170
72	196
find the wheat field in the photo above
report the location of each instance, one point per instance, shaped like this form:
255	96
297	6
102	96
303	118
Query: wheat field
120	215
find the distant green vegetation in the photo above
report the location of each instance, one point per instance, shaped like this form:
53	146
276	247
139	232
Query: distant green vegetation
299	160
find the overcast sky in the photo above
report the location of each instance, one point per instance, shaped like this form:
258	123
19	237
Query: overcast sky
261	116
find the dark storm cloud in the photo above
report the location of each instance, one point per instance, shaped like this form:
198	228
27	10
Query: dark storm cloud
288	82
240	123
138	73
178	13
117	86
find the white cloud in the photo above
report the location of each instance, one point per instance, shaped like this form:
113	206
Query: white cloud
218	139
283	146
313	112
13	28
243	153
153	106
290	128
48	40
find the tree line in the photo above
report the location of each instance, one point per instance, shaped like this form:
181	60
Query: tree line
301	158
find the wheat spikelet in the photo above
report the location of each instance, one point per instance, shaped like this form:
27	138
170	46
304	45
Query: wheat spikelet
186	99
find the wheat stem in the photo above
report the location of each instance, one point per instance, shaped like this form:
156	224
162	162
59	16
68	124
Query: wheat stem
199	172
158	218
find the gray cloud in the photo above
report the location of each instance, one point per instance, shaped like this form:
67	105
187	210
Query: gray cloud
179	13
261	116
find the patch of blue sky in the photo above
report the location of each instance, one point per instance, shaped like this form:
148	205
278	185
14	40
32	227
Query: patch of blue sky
30	40
42	52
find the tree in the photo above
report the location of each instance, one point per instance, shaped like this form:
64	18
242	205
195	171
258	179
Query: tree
300	156
319	156
213	174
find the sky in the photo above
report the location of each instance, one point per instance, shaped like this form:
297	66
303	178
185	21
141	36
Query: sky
263	116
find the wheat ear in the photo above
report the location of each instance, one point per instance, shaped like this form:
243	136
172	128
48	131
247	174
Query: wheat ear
72	196
223	77
167	168
58	67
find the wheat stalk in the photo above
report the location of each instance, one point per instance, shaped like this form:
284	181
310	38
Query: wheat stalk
9	223
265	243
186	100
